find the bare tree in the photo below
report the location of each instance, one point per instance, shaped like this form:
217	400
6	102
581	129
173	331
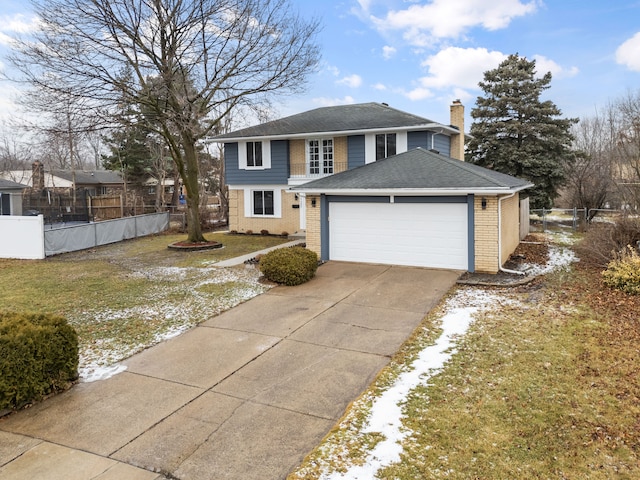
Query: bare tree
628	148
208	56
589	179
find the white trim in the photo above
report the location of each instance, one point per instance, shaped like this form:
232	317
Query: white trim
402	144
266	155
442	129
248	200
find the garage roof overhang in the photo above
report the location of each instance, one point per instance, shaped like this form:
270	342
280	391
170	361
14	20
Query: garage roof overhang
408	192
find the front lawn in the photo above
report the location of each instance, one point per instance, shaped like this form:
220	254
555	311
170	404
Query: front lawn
543	384
124	297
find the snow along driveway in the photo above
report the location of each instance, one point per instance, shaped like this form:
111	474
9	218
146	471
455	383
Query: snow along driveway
385	416
179	299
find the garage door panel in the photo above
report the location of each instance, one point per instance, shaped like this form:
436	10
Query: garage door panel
420	234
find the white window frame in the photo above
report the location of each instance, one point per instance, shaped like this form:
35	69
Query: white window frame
370	144
322	168
248	200
266	155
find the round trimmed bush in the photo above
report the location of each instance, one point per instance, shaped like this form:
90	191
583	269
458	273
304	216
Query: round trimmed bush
289	266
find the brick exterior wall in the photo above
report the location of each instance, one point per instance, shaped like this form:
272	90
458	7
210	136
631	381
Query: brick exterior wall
289	222
486	235
456	112
510	225
313	225
340	154
486	232
297	155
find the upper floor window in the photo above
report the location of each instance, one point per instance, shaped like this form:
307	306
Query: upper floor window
320	153
254	154
385	145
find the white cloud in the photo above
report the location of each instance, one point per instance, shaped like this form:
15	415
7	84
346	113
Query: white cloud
440	19
353	81
459	67
333	70
544	65
419	93
388	52
628	54
379	86
331	102
19	23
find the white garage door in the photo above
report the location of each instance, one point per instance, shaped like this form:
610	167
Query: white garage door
418	234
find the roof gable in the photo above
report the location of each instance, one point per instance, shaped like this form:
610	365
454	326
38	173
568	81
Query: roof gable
418	169
356	117
10	185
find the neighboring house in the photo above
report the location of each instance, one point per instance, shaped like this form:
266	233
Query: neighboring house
10	197
95	182
369	183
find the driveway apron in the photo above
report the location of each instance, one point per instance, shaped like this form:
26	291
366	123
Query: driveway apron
245	395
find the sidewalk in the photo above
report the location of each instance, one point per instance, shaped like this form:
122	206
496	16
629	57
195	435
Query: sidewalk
245	395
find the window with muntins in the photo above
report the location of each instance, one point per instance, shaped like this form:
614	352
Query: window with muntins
263	202
254	154
385	145
321	156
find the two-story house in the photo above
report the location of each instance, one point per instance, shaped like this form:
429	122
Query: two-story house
322	172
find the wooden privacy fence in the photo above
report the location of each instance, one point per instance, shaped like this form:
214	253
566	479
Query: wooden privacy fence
106	207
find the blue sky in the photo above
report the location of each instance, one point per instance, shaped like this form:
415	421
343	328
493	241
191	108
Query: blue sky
419	55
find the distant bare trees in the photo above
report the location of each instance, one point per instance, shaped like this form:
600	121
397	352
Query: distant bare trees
606	171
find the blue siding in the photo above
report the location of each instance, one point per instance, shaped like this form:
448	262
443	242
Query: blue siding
355	151
278	174
422	138
443	144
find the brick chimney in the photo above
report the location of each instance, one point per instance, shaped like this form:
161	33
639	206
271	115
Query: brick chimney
37	176
456	112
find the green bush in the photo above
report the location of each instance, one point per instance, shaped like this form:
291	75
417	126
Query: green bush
289	266
623	271
38	355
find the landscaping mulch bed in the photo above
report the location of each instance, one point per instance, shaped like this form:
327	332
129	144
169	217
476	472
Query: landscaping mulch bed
533	250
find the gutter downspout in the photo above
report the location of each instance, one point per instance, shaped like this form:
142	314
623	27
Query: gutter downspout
500	267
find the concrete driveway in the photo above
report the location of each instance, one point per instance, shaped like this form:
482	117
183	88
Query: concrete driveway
245	395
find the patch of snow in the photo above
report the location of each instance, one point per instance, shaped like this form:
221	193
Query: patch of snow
93	373
559	257
386	412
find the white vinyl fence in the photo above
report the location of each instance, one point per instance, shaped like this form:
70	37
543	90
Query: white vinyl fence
21	237
18	241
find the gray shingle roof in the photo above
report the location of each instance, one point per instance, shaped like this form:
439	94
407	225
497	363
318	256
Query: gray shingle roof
10	185
96	177
363	116
417	169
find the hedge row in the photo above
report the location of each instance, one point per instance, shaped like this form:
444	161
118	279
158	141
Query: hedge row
38	355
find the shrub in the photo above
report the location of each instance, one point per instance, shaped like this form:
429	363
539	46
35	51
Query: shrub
38	355
284	234
603	241
289	266
623	271
249	232
264	232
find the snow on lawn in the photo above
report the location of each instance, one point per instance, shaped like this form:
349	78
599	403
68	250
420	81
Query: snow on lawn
180	299
385	416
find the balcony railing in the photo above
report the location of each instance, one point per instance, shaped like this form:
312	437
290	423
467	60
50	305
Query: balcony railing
306	170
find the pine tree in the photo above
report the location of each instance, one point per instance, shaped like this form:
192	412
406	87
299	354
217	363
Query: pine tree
514	132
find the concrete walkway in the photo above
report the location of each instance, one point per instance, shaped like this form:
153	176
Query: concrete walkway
245	395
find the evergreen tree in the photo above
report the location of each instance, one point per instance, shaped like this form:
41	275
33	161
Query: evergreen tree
514	132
